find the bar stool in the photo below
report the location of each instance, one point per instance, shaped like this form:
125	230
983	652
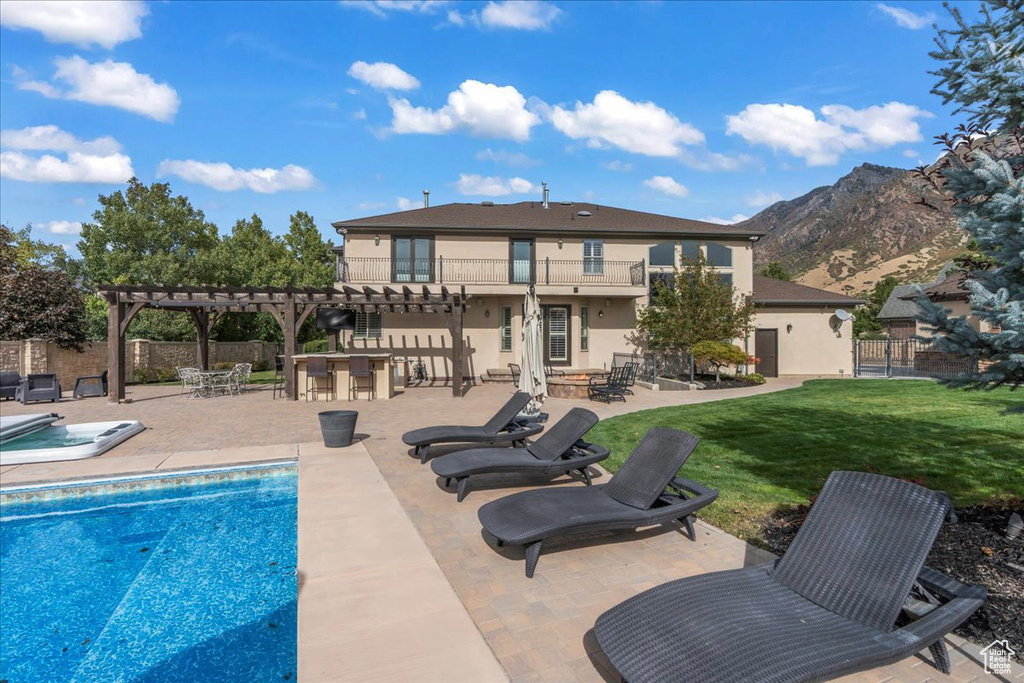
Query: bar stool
278	377
361	367
316	370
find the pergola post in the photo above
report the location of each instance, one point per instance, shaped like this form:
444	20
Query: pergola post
289	348
115	350
201	318
455	328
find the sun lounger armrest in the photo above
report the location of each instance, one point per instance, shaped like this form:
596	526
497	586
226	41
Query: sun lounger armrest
523	430
590	451
963	600
687	488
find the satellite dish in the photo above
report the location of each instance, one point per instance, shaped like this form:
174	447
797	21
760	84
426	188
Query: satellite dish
843	315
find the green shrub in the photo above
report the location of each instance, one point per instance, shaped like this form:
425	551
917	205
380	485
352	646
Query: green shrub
754	378
150	375
223	366
260	366
315	346
718	355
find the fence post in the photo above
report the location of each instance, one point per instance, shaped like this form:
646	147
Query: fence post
888	357
856	358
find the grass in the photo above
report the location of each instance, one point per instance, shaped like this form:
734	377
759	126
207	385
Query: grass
262	377
766	452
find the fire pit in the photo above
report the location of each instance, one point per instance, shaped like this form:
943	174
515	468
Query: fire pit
572	383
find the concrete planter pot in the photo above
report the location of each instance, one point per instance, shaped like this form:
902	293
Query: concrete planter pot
337	427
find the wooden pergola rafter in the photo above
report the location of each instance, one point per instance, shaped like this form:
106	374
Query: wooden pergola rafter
290	307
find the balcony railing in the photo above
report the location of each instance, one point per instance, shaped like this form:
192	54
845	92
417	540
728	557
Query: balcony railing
360	270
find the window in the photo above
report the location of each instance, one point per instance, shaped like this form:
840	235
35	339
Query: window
368	326
663	254
668	280
520	262
584	328
593	257
506	328
719	255
412	259
691	250
726	278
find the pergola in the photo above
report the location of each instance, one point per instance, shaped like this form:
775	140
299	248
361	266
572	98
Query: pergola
290	306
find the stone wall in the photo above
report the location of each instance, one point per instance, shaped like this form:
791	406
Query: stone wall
38	356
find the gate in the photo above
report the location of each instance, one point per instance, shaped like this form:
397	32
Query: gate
906	358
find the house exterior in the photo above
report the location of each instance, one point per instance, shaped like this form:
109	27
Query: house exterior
898	314
592	266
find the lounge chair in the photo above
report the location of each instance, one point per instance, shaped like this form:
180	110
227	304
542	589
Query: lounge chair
502	428
560	450
634	497
830	607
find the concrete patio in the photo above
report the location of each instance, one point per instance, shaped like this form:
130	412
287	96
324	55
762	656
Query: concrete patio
414	591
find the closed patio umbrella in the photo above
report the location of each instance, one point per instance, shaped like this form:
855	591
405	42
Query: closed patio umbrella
531	354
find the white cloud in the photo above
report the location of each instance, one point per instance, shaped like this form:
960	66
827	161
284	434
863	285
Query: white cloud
617	165
384	8
525	15
906	18
760	198
406	204
910	154
455	18
736	218
80	22
383	76
226	178
638	127
60	227
481	109
115	84
77	168
52	138
820	142
666	185
359	115
472	184
78	201
503	156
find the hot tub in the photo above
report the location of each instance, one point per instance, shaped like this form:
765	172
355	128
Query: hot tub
34	438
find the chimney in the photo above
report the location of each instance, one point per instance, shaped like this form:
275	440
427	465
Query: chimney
545	186
426	199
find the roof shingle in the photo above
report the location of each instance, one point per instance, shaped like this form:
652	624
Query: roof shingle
771	291
533	217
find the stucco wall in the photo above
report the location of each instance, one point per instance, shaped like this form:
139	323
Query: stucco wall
811	347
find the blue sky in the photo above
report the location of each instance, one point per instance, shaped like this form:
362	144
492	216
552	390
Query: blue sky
345	109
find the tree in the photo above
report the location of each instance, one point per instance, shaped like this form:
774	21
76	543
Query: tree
36	299
697	306
983	181
145	236
719	355
311	257
775	270
866	319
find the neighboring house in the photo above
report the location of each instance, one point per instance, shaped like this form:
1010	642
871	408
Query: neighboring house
592	266
898	313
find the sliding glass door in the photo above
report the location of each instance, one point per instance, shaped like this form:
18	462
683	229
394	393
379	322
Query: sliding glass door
520	262
412	259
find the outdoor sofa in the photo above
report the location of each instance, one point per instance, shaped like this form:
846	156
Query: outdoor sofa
9	382
504	427
39	387
851	593
560	450
635	496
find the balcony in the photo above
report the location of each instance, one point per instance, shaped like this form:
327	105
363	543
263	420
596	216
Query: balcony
589	273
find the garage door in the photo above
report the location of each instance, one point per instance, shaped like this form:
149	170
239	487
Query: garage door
766	347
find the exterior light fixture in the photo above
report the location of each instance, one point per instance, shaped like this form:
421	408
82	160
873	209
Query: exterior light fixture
600	314
559	242
755	238
487	313
376	240
789	327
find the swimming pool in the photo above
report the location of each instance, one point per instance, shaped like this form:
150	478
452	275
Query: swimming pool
164	582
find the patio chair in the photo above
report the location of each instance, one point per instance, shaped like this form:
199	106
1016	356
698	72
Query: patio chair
504	427
9	382
317	371
39	387
516	374
609	387
635	496
632	367
91	385
278	386
242	372
182	372
550	371
830	607
361	368
192	379
560	450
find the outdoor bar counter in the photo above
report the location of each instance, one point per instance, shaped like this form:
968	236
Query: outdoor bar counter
337	364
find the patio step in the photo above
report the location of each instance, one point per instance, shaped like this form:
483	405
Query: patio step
497	376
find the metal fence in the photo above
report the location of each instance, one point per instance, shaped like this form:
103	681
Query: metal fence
906	358
546	271
655	364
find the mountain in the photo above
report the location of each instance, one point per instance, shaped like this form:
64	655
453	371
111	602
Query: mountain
847	236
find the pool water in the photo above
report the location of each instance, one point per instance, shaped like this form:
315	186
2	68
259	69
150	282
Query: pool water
184	583
51	437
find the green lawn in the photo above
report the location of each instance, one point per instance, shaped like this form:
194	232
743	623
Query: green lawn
763	452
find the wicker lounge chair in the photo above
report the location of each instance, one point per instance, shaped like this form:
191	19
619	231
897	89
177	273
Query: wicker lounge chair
559	451
830	607
503	427
634	497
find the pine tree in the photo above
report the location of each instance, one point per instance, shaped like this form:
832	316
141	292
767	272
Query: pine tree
982	177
